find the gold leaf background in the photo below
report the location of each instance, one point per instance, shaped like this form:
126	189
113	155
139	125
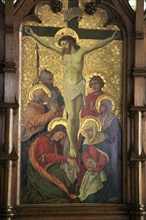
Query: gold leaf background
106	61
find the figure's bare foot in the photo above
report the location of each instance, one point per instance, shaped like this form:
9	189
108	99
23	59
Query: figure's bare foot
72	152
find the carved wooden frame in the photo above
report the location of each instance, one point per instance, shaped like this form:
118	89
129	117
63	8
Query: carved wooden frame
11	23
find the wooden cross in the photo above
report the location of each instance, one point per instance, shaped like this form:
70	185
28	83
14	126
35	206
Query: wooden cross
82	33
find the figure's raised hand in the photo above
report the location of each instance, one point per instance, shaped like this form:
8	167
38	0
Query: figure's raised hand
28	31
116	35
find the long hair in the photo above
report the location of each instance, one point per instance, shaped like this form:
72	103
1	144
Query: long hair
69	39
56	129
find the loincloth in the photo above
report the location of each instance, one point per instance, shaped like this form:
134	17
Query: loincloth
72	91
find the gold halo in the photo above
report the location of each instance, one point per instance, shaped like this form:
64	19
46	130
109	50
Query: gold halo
63	32
100	98
88	77
64	113
39	86
84	120
56	121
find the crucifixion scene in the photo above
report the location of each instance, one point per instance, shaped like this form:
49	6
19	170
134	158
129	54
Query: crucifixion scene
71	136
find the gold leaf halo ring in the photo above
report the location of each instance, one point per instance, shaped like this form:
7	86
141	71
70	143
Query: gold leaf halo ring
102	97
88	78
86	119
64	113
63	32
36	87
56	121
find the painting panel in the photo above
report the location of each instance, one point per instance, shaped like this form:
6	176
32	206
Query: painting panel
71	143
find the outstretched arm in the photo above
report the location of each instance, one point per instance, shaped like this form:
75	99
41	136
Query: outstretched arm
100	43
45	43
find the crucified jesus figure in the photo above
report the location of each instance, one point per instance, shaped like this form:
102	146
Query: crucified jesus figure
74	82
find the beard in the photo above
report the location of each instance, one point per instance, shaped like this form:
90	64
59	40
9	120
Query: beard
50	86
66	50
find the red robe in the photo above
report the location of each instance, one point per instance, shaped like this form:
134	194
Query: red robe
44	153
90	109
47	153
98	156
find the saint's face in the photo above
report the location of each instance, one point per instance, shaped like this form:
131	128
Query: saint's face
95	85
88	132
41	96
64	44
103	107
49	82
59	135
66	47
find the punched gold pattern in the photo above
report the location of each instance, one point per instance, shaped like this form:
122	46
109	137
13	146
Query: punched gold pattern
106	61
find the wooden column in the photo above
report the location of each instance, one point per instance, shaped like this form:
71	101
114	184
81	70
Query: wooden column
139	72
137	156
9	65
7	157
1	51
7	111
